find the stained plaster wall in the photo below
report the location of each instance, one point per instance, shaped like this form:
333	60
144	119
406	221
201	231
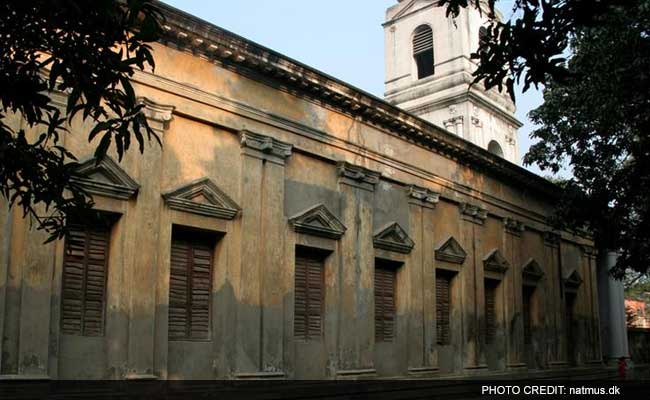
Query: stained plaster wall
252	299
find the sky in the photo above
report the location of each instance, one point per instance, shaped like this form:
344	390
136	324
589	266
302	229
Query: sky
343	38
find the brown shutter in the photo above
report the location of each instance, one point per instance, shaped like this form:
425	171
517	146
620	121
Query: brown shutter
527	296
384	303
85	264
308	302
490	312
190	287
443	302
569	303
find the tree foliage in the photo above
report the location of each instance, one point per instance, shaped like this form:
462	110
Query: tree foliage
597	121
87	50
593	58
530	47
637	286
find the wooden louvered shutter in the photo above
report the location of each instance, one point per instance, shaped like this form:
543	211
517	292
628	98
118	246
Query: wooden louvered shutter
308	302
443	302
85	265
527	297
422	39
384	303
490	312
569	310
190	288
423	51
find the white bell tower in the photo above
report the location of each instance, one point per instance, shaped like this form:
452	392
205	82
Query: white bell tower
429	72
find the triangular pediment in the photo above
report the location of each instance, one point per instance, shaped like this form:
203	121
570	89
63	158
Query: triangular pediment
393	237
408	6
318	221
105	178
202	197
495	262
532	270
451	251
574	281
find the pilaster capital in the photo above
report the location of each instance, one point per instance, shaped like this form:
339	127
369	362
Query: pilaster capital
354	175
264	147
513	226
474	213
158	115
423	197
589	252
552	239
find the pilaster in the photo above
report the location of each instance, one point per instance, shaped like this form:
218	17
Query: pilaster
473	217
515	357
557	356
141	267
589	257
6	223
357	338
422	357
264	278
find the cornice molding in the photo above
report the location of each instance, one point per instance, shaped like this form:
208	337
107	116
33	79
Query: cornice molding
105	178
188	33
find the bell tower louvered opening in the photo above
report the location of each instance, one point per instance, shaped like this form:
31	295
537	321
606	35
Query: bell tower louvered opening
423	51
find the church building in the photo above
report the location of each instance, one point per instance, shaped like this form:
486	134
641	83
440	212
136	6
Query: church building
292	226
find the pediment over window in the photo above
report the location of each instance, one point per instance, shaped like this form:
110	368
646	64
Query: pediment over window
451	251
393	238
202	197
495	262
532	270
105	178
573	282
318	221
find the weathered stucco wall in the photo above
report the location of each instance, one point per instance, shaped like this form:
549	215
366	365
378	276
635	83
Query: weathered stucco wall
276	154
